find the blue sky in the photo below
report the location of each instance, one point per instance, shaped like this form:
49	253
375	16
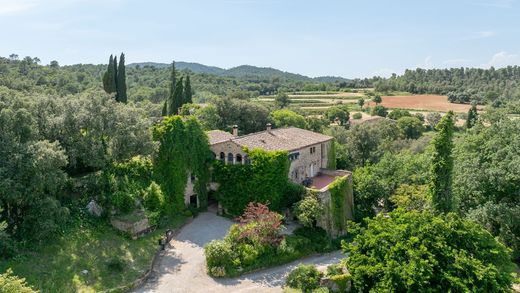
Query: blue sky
345	38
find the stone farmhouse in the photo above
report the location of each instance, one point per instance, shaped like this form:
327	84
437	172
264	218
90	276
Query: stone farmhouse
308	153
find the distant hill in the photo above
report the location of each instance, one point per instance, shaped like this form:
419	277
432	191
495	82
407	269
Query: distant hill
241	71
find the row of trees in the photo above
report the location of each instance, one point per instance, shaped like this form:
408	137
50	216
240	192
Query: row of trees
114	79
180	93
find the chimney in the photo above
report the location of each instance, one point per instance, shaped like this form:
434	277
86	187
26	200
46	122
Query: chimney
268	127
235	130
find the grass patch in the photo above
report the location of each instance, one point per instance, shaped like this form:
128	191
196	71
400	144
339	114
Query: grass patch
111	259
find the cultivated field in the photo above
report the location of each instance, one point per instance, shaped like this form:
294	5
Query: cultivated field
422	102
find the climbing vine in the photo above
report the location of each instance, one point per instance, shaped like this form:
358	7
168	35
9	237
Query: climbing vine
339	190
331	156
265	180
183	150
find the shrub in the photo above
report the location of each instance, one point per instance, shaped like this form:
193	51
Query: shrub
342	281
308	210
398	113
334	269
379	111
357	115
123	201
153	198
260	226
10	283
304	277
219	254
319	240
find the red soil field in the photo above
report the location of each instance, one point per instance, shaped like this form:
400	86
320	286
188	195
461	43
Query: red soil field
422	102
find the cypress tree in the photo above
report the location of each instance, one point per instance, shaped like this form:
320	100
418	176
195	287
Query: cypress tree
109	77
114	78
188	94
170	110
472	116
165	108
178	98
121	95
442	165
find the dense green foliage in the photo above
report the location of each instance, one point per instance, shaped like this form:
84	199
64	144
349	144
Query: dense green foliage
309	209
420	252
462	85
304	277
442	165
338	114
471	120
287	118
486	180
256	242
183	151
410	127
12	284
339	191
265	180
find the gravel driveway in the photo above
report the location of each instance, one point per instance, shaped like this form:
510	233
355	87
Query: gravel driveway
182	267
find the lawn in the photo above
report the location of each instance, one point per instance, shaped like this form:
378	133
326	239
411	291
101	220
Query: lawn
110	258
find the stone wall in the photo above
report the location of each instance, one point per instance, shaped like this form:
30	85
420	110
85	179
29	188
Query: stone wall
326	221
307	164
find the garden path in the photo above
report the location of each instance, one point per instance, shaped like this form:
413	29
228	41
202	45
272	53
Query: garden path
182	267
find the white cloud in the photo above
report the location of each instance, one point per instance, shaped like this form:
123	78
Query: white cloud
13	7
426	64
502	59
480	35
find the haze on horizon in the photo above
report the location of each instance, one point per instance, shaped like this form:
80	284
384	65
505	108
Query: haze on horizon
332	37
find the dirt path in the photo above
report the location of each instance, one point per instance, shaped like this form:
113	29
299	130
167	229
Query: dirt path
182	268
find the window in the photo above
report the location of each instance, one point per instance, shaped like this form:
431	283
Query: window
313	150
294	156
230	158
239	159
222	157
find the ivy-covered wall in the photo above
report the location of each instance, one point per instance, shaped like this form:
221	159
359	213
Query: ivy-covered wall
265	180
183	149
340	189
331	156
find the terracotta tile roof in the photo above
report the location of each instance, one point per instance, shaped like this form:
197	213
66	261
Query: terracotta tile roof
288	139
217	136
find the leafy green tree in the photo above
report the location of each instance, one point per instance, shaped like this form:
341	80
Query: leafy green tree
379	111
109	78
304	277
398	113
377	99
286	118
121	95
418	252
472	116
188	93
249	116
433	118
486	176
339	113
316	123
410	127
412	197
282	100
361	102
442	165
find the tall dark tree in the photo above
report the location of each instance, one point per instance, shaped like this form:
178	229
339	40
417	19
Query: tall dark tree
442	165
169	103
178	98
109	78
164	111
188	94
121	95
472	116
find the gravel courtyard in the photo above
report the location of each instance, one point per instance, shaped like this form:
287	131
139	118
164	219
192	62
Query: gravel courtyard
182	267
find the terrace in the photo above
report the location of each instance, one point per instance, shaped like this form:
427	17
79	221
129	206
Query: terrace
325	178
